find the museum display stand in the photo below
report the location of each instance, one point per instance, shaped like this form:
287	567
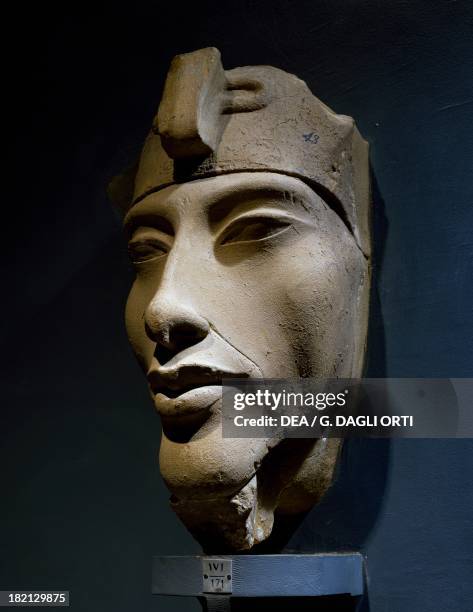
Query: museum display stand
263	582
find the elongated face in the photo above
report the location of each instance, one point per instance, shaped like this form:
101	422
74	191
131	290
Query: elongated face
241	275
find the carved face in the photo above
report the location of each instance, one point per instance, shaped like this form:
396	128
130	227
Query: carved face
241	275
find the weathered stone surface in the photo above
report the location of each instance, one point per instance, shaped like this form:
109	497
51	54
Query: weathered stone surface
248	224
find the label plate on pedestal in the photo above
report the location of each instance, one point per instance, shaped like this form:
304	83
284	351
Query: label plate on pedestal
216	575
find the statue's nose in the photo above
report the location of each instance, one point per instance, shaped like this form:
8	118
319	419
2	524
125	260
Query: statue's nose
174	326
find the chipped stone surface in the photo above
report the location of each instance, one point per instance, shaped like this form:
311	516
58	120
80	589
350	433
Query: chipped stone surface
248	225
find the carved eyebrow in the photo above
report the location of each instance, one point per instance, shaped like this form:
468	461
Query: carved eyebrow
146	219
221	207
217	204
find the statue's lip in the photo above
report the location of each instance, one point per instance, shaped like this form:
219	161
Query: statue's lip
178	379
191	403
188	389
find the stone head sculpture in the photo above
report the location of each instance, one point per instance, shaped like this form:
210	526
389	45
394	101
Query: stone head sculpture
247	221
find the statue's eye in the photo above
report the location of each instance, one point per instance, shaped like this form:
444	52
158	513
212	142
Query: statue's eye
249	229
145	250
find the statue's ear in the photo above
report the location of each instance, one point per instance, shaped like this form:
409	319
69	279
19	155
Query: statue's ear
121	187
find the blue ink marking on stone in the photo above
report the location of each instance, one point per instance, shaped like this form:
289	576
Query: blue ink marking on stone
311	137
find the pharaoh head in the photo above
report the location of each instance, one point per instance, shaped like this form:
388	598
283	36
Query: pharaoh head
247	222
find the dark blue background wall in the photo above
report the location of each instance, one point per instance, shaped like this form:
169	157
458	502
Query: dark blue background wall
83	507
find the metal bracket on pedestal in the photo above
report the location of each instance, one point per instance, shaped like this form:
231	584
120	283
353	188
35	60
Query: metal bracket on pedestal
218	579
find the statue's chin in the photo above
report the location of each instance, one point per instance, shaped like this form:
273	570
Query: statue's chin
225	524
214	488
227	496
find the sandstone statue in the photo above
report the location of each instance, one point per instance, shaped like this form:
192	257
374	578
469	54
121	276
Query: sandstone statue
248	225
